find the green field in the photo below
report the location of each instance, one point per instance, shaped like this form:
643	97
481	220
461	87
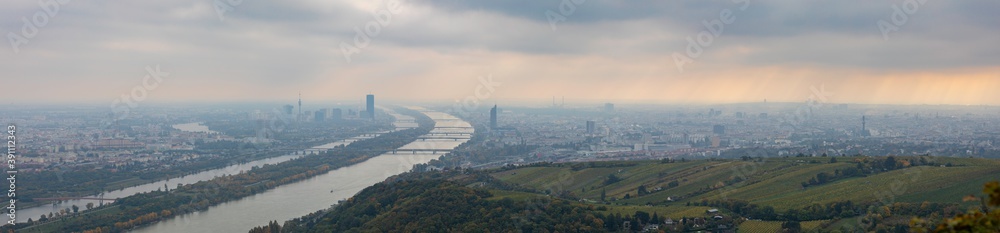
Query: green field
774	226
675	212
55	224
775	182
513	195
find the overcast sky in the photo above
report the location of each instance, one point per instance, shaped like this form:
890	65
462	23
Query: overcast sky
944	52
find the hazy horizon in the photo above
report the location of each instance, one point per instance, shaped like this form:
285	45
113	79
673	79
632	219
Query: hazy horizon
519	115
312	104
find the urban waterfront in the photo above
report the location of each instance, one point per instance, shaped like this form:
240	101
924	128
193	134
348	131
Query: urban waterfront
313	194
500	116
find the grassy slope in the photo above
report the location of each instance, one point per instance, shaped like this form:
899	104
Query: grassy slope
675	211
774	226
774	182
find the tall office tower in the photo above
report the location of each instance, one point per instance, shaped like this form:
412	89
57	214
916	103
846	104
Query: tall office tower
609	107
591	127
300	103
370	106
493	117
288	109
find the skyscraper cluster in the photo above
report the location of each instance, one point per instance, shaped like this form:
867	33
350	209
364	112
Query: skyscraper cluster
335	114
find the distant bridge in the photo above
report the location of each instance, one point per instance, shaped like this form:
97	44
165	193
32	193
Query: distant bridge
304	151
73	198
455	138
414	151
447	134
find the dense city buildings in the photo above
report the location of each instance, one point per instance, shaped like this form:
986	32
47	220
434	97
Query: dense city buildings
758	129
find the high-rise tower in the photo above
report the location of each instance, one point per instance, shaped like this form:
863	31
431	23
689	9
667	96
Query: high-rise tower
493	117
370	110
864	127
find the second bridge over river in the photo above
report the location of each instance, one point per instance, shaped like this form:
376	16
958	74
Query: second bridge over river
414	151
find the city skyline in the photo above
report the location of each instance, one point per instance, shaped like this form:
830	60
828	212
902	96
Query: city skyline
501	116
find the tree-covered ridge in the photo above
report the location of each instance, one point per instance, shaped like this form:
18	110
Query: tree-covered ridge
925	187
463	201
438	205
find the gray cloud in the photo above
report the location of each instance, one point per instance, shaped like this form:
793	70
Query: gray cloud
103	46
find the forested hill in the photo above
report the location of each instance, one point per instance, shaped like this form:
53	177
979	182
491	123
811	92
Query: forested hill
438	205
821	194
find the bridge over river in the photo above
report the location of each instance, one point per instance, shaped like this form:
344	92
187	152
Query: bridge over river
73	198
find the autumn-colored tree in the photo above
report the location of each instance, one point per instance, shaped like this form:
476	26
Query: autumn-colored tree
985	220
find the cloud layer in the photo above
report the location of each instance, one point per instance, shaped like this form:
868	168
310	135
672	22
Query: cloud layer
944	52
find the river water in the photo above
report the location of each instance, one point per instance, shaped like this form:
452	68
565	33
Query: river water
316	193
36	212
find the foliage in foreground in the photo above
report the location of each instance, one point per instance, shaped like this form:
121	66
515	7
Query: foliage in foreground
986	219
438	205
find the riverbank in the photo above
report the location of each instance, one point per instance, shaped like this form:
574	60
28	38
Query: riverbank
152	206
310	195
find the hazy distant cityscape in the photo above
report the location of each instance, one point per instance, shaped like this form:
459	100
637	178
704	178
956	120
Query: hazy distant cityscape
156	137
111	152
501	116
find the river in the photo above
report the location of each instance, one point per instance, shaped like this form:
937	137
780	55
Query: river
316	193
35	212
